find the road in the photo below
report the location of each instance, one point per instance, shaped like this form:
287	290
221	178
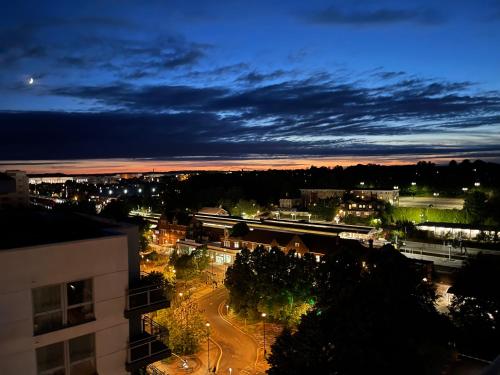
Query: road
239	350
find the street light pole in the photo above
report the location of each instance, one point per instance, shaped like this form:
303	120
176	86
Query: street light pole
264	329
208	346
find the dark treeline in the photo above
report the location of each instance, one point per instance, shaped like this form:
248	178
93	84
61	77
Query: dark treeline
266	187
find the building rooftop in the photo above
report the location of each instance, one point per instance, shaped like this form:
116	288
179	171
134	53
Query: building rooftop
22	228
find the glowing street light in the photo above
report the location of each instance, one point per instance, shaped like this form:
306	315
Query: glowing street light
140	190
264	329
477	184
465	189
207	324
227	309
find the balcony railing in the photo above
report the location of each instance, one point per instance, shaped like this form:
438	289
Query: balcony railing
149	347
145	299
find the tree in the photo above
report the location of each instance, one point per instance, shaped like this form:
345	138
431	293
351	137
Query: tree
185	324
324	209
373	316
189	265
117	210
245	208
475	206
239	229
475	307
273	282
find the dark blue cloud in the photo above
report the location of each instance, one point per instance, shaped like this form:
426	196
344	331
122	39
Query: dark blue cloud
333	15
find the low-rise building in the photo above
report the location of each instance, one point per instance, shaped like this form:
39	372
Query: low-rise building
310	196
390	196
219	211
456	231
289	203
169	232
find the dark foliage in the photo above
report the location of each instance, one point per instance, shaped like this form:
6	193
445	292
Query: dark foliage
476	307
373	316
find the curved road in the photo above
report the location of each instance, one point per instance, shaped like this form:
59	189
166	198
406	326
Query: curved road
239	350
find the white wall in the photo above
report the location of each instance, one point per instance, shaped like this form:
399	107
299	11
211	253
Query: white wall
105	260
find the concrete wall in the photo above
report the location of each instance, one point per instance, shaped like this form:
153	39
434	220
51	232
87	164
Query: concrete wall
105	260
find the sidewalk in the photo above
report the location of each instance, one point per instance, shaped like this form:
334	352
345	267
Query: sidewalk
197	362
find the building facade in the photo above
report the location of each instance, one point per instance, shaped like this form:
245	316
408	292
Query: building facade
77	306
14	189
168	233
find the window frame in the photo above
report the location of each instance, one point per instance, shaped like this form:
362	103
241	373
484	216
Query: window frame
63	305
67	364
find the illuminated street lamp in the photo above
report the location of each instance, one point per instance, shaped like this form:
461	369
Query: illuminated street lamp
477	184
140	190
264	329
413	184
465	189
125	191
208	346
227	309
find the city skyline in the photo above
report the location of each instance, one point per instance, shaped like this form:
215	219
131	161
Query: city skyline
228	86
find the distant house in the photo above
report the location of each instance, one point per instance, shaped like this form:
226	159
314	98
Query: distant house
213	211
310	196
289	203
361	208
169	232
390	196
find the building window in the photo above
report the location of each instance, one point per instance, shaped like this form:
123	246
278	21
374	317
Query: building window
318	258
73	357
236	244
297	245
62	305
227	244
50	359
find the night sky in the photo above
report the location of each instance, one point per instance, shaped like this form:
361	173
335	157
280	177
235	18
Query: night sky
215	84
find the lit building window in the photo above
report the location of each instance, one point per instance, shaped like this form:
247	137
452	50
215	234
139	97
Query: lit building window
236	245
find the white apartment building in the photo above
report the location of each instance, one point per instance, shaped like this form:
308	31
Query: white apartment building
66	305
